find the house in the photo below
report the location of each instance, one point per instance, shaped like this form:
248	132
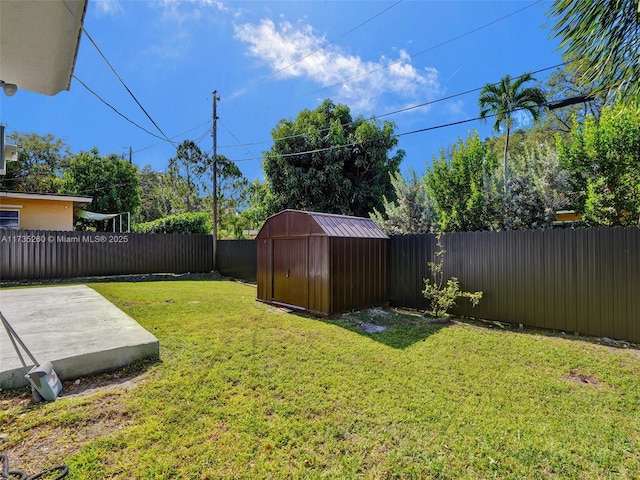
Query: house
39	211
39	42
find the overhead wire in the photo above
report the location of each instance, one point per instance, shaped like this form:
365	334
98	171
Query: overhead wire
402	110
245	145
235	138
84	30
293	63
396	135
95	45
414	55
328	43
176	136
116	110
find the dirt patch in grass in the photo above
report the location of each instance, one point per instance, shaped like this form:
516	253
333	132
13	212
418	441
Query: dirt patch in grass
97	412
57	440
583	378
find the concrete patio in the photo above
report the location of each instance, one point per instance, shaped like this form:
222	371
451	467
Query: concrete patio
74	327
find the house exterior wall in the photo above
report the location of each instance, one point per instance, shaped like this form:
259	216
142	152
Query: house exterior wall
37	214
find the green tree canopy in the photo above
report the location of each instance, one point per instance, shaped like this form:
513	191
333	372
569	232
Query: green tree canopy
603	40
411	212
604	161
463	187
158	198
187	170
41	162
326	161
112	182
503	99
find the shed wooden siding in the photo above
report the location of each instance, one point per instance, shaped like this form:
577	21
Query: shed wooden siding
321	263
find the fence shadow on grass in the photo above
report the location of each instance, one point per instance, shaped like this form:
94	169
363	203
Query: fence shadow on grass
390	327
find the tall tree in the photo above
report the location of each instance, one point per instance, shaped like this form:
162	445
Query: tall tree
112	182
186	170
463	187
327	161
603	40
503	99
157	195
604	160
41	161
233	191
411	212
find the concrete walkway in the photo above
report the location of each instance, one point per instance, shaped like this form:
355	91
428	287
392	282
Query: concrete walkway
74	327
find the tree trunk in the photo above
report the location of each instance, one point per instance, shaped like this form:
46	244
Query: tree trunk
504	162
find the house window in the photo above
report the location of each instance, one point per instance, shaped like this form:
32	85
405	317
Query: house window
10	219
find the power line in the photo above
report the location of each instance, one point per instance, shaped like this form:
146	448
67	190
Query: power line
125	85
402	110
84	30
116	110
404	59
235	138
328	43
178	135
355	144
383	67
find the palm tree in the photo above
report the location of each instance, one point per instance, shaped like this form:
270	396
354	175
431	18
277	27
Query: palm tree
505	97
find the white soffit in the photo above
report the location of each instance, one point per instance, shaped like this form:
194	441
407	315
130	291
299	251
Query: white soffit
39	42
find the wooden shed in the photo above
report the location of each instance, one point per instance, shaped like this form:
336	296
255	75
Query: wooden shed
322	263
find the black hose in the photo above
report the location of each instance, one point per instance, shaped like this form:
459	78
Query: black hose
7	474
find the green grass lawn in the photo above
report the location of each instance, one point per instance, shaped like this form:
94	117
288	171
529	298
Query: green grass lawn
243	391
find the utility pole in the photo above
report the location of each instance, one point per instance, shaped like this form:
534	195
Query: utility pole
214	175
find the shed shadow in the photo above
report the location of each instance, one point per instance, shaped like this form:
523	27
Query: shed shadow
391	327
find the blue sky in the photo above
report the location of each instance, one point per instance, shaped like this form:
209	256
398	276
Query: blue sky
269	60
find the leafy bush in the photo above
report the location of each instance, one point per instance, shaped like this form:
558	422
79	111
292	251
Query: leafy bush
184	223
442	297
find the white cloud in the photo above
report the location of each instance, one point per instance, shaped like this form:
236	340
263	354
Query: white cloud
181	11
108	7
292	52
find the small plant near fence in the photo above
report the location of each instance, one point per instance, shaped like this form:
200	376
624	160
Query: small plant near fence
443	296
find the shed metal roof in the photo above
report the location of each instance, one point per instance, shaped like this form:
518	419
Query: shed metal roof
345	226
301	223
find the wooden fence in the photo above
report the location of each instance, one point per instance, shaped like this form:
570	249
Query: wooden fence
584	280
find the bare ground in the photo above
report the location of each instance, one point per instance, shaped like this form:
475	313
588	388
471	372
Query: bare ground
44	443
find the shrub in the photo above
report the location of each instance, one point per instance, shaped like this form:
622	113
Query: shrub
443	296
184	223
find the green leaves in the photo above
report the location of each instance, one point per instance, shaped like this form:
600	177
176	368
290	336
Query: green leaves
602	38
443	296
326	161
41	162
604	160
463	187
185	223
112	182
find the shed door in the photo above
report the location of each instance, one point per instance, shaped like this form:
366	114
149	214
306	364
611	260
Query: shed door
290	283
